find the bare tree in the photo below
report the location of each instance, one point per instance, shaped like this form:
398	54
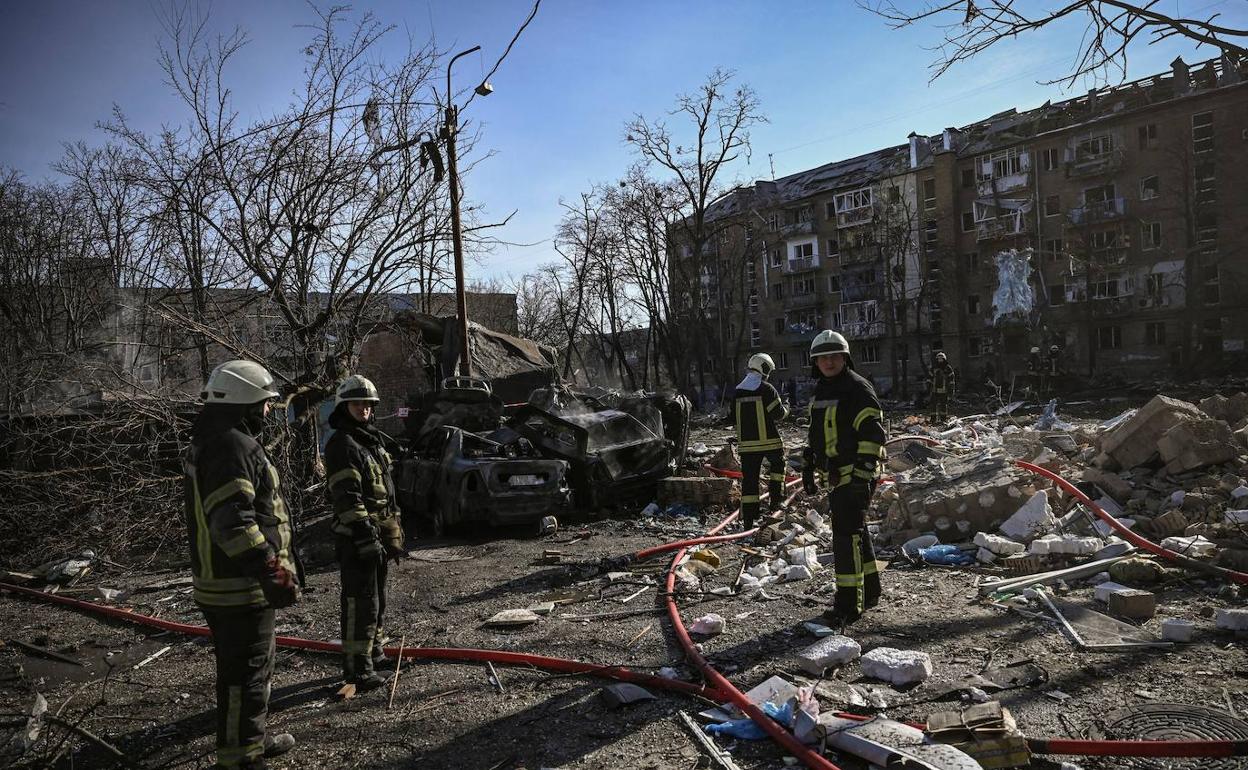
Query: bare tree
970	27
713	133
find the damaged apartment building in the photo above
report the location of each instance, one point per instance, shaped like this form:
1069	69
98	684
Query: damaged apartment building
1112	225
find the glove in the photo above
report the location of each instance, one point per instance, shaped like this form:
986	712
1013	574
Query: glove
367	543
279	585
808	472
392	538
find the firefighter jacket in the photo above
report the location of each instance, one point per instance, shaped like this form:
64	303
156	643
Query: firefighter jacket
757	407
236	517
361	488
846	428
944	378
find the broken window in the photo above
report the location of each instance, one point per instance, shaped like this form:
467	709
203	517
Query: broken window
1094	146
804	286
972	262
1148	136
753	302
756	334
968	177
1057	294
1206	227
773	222
803	250
1211	292
1205	188
751	271
929	193
1001	164
779	325
870	352
806	214
1099	194
834	247
1106	287
853	200
1052	205
972	304
1202	132
968	221
777	291
782	361
930	232
777	256
1052	158
1054	249
894	194
829	209
978	346
1103	240
1109	337
1150	187
1150	235
1155	333
834	284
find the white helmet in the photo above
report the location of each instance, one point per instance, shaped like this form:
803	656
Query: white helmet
761	363
826	343
356	388
1035	350
238	382
940	356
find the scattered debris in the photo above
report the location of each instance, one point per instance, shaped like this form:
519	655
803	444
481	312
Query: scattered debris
709	625
513	618
828	652
898	667
624	693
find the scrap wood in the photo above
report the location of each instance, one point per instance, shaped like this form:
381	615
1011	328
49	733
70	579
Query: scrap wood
152	657
93	738
640	634
1078	571
398	664
632	596
45	653
495	679
601	615
429	702
719	755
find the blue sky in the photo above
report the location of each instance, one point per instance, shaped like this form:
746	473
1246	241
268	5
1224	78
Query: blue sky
834	81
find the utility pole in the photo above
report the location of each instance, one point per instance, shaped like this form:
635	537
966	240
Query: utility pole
461	301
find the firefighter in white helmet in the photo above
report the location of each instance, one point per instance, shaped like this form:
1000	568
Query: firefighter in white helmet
242	556
366	526
846	440
756	407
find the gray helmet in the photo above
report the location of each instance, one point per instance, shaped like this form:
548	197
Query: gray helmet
356	388
238	382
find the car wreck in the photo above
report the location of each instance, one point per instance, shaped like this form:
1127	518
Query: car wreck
617	447
465	467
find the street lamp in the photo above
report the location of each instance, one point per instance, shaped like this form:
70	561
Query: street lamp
457	235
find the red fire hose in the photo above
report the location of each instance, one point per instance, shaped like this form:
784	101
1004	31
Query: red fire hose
1131	537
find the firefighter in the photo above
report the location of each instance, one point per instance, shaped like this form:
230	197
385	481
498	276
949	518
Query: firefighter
366	526
944	382
757	408
242	562
846	439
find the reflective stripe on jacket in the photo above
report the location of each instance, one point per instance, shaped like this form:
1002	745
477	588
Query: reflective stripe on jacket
360	482
236	519
756	413
847	428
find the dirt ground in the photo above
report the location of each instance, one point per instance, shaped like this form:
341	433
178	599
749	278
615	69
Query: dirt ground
449	715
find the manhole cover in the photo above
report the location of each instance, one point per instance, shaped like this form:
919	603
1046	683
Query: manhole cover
1175	722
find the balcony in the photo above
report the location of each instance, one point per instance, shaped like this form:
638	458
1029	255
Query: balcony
797	229
1099	211
856	254
801	300
1004	226
801	265
854	217
858	330
1086	164
988	188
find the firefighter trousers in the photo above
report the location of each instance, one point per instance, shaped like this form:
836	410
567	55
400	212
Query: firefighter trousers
363	605
751	466
857	578
244	642
940	405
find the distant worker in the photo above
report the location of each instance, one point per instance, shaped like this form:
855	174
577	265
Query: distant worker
366	526
757	408
944	383
846	439
1055	356
242	563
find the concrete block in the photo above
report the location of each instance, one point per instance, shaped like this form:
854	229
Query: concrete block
1114	485
1232	620
898	667
1177	630
828	652
998	545
1171	522
1193	444
1134	441
1195	546
1032	520
1133	603
710	490
1043	546
984	556
1103	591
797	572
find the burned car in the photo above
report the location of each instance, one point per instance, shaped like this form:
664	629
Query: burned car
617	447
465	467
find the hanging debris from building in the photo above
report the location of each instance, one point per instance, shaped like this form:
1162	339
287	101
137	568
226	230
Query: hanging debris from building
1014	295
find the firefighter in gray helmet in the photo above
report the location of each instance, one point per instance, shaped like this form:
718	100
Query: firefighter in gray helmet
756	407
846	440
944	381
366	526
242	559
